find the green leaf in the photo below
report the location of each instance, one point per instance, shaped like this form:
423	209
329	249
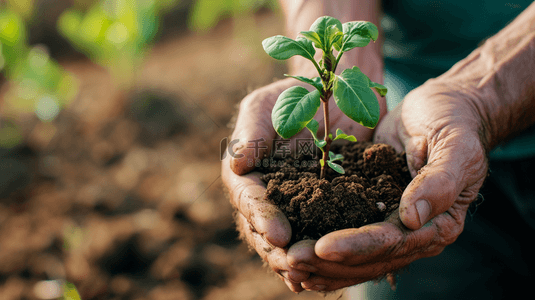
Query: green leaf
320	144
322	162
354	97
381	89
338	168
341	135
334	157
334	35
358	34
281	48
293	110
315	82
313	127
363	28
313	37
321	27
338	44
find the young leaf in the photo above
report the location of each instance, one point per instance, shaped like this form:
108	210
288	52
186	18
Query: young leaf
341	135
281	47
322	162
313	127
293	110
338	168
381	89
315	82
334	157
320	144
313	37
334	35
321	25
354	97
338	44
358	34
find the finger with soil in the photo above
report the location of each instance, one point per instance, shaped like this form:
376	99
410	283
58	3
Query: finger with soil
273	256
374	243
247	195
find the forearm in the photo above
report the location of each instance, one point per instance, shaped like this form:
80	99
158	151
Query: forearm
498	79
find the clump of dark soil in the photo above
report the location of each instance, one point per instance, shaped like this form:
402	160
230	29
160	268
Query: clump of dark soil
370	190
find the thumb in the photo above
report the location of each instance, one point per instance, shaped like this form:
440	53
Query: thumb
455	165
431	192
253	135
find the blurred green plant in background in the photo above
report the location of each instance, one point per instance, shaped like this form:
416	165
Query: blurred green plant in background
38	83
116	34
206	13
113	33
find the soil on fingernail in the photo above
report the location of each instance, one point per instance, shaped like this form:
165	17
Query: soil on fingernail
374	173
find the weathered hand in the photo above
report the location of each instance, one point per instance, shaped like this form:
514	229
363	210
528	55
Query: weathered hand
441	133
265	227
262	224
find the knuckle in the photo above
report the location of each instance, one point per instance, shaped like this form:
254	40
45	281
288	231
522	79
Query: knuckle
448	177
261	98
393	244
253	98
245	104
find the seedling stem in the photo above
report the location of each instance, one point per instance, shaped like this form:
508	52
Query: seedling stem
296	106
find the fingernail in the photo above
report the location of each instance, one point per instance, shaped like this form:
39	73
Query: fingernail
305	267
424	210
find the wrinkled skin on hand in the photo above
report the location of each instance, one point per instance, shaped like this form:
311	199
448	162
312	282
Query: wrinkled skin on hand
263	225
442	135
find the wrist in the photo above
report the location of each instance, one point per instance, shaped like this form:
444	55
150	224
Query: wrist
448	106
498	79
498	95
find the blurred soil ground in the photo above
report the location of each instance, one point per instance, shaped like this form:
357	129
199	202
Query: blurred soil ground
122	195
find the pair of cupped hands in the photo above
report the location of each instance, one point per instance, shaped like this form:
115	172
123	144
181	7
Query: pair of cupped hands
441	133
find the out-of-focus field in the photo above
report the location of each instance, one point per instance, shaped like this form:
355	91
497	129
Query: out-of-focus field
121	194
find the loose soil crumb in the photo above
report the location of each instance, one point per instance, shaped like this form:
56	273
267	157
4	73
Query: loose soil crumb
369	191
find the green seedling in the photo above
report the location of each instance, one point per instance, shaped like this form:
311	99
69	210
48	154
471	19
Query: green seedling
352	89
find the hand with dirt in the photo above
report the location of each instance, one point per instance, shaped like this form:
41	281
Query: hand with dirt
447	159
262	224
446	127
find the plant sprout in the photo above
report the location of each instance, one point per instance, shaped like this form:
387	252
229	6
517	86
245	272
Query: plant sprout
352	89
